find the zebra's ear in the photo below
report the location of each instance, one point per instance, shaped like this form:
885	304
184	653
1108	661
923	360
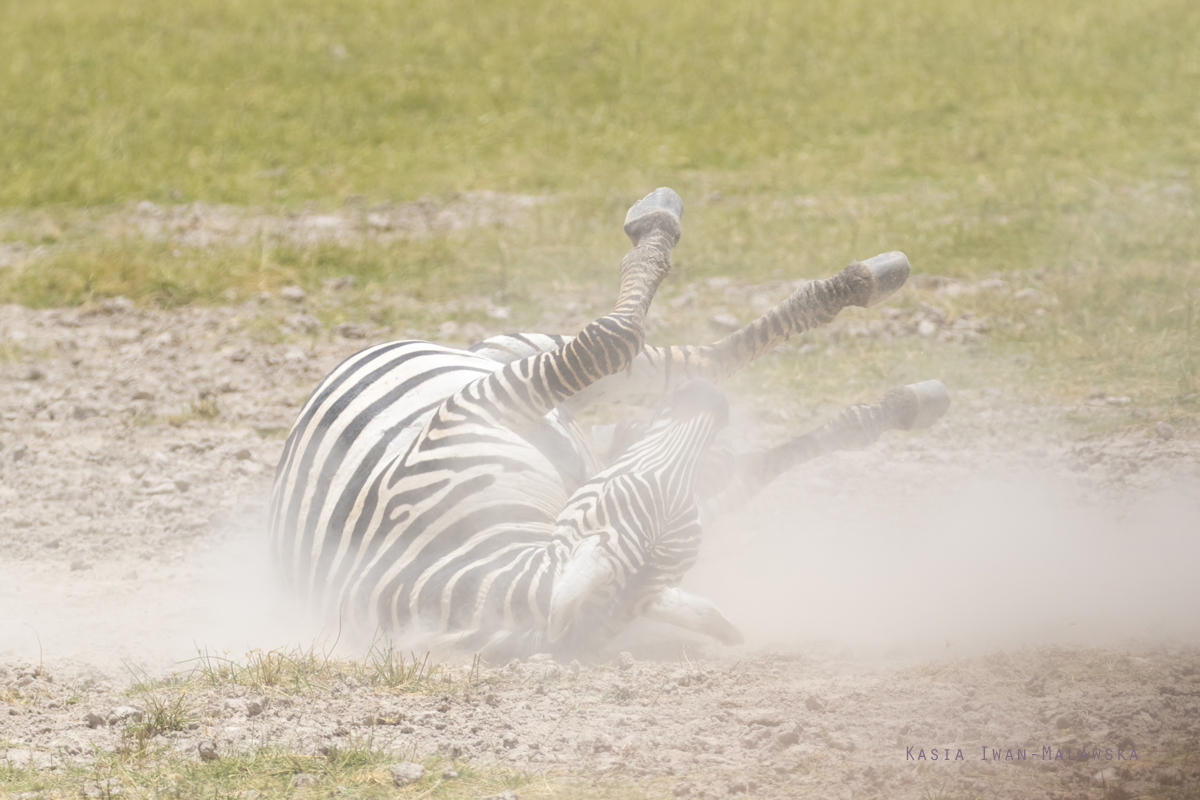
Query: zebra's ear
587	571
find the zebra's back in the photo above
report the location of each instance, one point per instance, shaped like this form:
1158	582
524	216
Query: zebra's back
444	542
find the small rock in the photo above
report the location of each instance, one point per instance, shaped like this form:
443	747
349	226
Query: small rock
80	566
1118	401
507	794
1164	431
116	305
182	485
166	487
1169	776
788	737
33	374
625	660
53	544
406	773
124	714
724	320
449	774
681	790
302	323
208	751
927	328
293	294
305	779
339	283
235	705
814	703
243	455
94	720
349	330
142	394
254	708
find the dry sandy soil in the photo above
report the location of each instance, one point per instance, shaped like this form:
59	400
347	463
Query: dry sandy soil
991	586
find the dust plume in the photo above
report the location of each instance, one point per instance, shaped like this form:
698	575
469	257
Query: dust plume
955	567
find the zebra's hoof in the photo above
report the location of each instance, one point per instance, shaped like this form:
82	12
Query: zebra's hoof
932	402
889	271
647	214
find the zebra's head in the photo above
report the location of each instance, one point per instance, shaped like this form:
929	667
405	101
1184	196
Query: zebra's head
633	530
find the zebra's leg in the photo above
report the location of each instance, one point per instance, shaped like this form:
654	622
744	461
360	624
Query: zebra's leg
659	369
632	531
691	612
915	406
525	389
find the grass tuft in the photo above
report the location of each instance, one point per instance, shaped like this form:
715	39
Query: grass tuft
307	669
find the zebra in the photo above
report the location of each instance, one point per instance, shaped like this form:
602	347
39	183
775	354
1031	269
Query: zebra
452	495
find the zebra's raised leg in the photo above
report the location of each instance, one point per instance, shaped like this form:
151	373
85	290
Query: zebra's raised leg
659	369
910	407
526	389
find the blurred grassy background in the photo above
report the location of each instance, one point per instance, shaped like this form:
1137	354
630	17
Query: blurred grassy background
1053	143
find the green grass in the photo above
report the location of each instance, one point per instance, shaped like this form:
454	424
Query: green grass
294	670
265	102
1052	144
147	763
361	771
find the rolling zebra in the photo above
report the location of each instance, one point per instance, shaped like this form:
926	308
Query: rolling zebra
451	494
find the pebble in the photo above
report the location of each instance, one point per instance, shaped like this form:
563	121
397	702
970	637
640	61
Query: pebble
305	779
814	703
124	714
725	320
1165	431
625	660
927	328
407	772
293	294
207	750
1169	776
349	330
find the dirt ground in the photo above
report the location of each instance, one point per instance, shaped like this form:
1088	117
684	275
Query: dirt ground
992	608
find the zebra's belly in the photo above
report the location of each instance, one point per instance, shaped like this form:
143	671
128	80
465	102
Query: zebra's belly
354	530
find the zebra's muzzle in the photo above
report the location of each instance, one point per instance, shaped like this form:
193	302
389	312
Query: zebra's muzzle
587	571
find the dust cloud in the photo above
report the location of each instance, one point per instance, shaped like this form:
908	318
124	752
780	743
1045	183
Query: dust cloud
225	600
952	570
